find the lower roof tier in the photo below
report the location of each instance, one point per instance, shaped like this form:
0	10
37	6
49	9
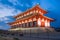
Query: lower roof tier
31	17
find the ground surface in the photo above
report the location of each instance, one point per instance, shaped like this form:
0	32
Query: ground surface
37	34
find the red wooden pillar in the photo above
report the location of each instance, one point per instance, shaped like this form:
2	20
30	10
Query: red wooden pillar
24	23
39	22
36	21
32	23
27	23
21	23
48	23
42	23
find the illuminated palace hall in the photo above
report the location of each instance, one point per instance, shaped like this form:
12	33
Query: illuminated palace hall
33	17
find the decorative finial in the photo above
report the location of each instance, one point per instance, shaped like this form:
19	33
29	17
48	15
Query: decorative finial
38	3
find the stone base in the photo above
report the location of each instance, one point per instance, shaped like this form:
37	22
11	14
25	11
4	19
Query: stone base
33	29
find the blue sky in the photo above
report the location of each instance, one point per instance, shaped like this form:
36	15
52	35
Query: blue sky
10	8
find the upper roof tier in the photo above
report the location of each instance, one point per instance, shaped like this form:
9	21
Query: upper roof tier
37	7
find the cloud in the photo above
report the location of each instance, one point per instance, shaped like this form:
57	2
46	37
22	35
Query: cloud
7	19
6	15
1	26
15	2
4	18
7	11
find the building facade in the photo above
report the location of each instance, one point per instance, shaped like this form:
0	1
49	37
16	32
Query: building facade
33	17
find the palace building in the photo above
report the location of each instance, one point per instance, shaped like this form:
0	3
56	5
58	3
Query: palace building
33	17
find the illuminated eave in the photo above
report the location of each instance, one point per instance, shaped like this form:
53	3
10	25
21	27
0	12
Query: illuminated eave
37	6
21	19
47	17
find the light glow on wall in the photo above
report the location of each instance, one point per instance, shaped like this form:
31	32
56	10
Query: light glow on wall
22	21
46	23
25	21
39	21
39	11
19	22
27	13
24	14
31	12
34	19
43	20
30	20
36	11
